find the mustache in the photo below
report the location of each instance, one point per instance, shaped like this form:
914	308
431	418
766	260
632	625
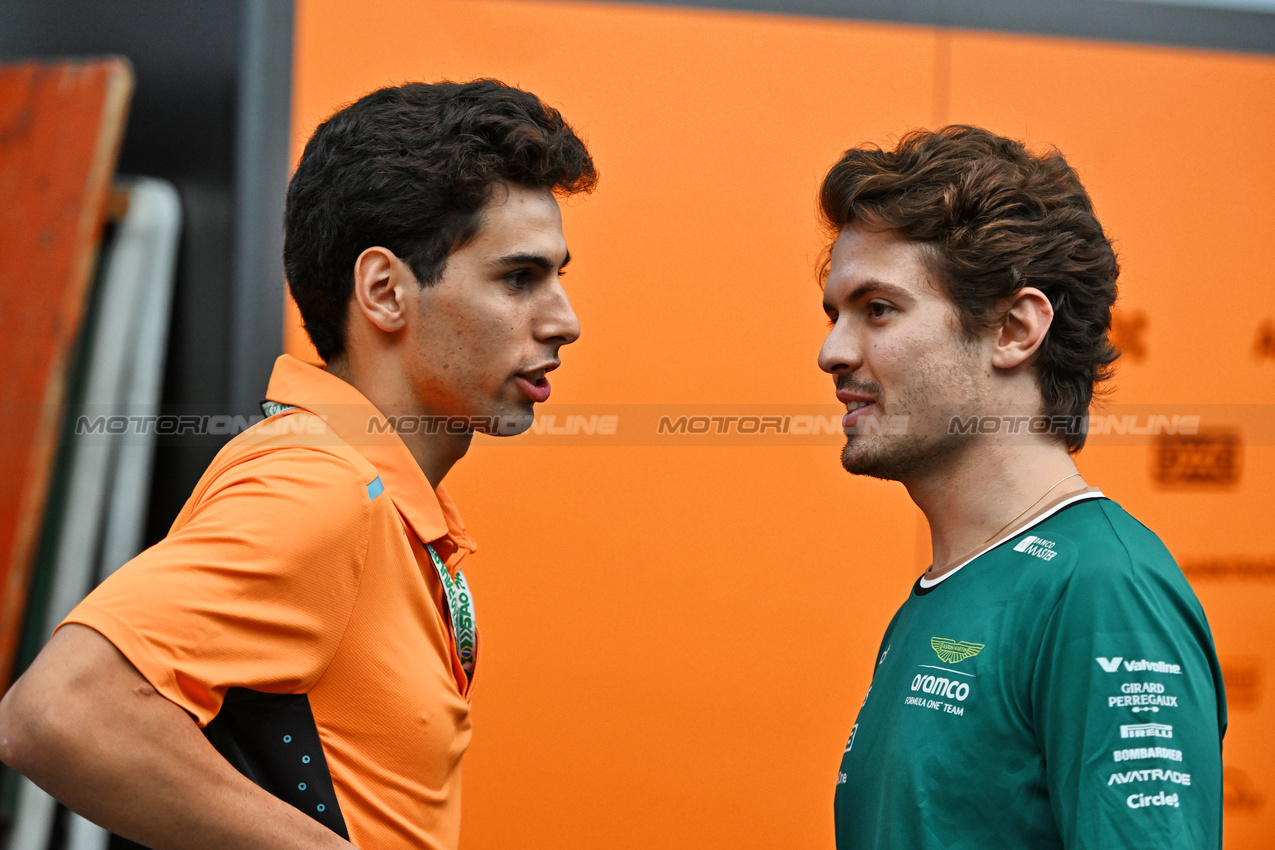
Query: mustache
845	382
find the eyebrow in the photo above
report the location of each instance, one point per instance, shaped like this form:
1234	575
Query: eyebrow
872	286
540	261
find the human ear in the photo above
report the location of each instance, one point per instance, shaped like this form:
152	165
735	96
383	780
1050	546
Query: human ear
379	279
1023	328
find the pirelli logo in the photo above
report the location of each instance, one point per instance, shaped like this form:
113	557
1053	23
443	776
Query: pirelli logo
1146	730
1211	457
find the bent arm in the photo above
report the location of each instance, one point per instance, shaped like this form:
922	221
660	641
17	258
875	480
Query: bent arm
85	726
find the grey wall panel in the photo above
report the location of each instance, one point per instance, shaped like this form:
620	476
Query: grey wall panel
1111	20
261	180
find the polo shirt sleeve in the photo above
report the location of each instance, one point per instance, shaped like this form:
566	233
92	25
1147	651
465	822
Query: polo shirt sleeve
254	587
1126	696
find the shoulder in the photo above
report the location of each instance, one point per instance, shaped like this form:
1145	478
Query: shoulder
294	450
1098	541
302	488
1115	570
1093	558
1114	548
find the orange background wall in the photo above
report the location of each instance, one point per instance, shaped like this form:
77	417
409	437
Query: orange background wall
678	637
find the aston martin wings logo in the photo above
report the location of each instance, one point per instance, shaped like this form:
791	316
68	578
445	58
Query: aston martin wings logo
952	651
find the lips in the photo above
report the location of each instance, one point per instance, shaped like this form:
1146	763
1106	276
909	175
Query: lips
857	406
537	391
534	384
854	414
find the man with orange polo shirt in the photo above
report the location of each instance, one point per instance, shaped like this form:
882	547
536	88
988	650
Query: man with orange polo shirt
308	609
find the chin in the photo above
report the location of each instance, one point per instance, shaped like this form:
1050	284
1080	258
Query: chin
859	464
509	424
891	463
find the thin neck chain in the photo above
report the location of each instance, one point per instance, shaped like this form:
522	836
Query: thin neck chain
998	531
1029	507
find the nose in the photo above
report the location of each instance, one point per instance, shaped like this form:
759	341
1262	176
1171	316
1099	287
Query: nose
558	323
841	351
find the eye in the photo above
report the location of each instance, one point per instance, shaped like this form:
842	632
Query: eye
879	309
519	278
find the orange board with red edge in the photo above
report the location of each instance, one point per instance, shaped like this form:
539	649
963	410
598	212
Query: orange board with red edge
61	124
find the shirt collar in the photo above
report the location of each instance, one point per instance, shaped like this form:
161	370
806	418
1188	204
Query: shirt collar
431	513
1065	501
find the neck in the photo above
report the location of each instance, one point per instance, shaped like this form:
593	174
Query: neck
437	452
987	490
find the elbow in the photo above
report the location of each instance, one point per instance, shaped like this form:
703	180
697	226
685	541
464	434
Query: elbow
14	746
28	727
50	718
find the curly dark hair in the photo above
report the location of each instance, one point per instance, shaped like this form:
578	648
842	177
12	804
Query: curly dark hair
994	217
410	168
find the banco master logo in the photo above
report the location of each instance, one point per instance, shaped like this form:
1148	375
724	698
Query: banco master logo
1038	547
953	652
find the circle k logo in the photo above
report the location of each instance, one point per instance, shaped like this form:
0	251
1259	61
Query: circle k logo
1141	801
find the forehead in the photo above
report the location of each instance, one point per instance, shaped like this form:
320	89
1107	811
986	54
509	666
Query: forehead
861	257
517	217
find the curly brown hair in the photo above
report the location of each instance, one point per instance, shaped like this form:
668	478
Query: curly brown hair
993	217
410	168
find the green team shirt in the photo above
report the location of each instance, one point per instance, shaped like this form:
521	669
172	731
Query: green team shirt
1059	689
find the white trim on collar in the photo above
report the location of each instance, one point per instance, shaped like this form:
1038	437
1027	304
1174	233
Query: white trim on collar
1083	496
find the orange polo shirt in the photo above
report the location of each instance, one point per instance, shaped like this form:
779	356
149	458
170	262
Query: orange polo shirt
293	610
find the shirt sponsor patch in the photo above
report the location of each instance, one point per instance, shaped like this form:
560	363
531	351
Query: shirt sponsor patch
1111	665
1142	696
1149	775
954	652
1136	753
939	686
1038	547
1146	730
1142	801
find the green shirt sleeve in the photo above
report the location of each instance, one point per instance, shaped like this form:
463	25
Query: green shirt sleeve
1127	704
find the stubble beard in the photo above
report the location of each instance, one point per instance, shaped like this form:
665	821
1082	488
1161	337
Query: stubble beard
878	453
927	447
893	458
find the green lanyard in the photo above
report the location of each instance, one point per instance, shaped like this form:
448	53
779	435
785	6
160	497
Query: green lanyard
460	602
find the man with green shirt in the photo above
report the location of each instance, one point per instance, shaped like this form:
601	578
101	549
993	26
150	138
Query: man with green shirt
1050	681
